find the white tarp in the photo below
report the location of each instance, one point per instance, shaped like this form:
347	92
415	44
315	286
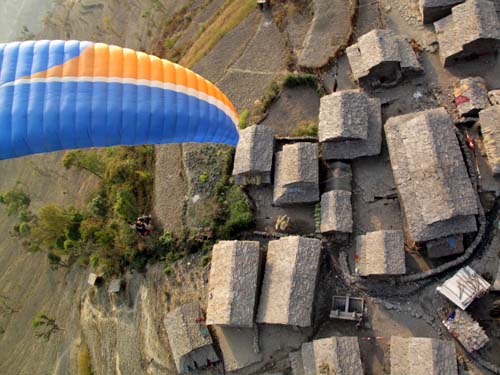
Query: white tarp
464	287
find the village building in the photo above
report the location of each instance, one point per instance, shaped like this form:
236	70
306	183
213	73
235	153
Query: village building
433	10
189	338
380	253
433	184
336	212
296	176
443	247
350	125
380	57
332	355
422	356
464	287
489	120
115	286
471	96
466	330
338	176
471	30
233	283
289	284
253	159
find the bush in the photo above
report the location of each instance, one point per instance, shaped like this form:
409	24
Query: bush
203	178
98	205
16	201
168	270
205	260
306	129
239	214
245	115
292	80
126	206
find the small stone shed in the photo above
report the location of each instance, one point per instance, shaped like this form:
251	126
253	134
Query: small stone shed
189	338
471	96
289	285
381	253
489	120
422	356
332	355
350	125
433	184
336	212
253	159
296	176
433	10
471	30
233	283
380	57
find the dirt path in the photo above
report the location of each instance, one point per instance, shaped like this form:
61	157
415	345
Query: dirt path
169	187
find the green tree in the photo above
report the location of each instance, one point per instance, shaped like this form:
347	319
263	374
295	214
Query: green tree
87	160
44	326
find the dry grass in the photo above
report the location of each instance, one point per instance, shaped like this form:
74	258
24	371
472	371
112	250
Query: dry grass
232	14
84	360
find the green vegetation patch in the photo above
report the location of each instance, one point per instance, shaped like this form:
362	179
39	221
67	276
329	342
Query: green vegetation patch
306	129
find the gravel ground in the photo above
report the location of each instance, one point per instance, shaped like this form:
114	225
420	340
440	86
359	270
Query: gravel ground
296	105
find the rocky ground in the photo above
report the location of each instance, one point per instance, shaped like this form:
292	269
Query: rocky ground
126	334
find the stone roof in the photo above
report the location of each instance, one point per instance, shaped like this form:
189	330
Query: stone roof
433	184
489	120
291	270
332	355
296	174
336	212
350	125
443	247
343	115
422	356
233	283
381	253
471	96
253	159
472	29
189	337
432	10
381	57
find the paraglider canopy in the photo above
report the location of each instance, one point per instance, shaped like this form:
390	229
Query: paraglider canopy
57	95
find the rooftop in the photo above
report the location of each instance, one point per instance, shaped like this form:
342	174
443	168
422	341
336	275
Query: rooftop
254	156
422	356
382	57
430	174
472	29
332	355
336	212
464	287
471	96
350	125
296	175
489	120
290	275
233	283
381	253
189	337
432	10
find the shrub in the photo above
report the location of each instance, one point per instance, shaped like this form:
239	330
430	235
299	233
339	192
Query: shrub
292	80
98	205
239	214
87	160
203	178
245	115
16	201
205	260
126	206
306	129
168	270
